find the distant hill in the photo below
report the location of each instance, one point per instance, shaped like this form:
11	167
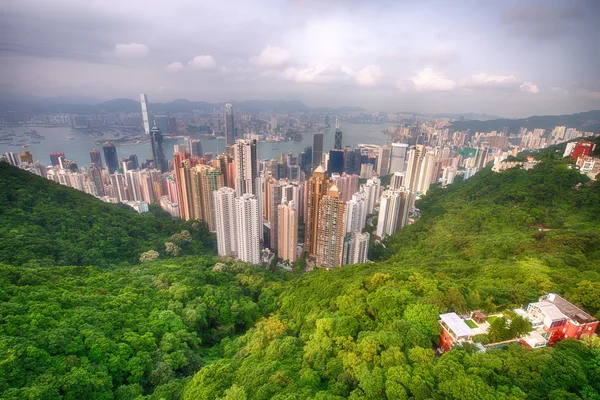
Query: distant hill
588	121
46	224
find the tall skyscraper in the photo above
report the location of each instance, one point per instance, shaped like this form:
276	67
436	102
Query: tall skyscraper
226	221
317	150
383	162
348	184
398	157
134	161
335	165
96	158
356	248
161	121
426	172
248	231
275	196
331	229
145	116
288	230
204	181
110	156
246	166
196	148
356	212
229	126
393	212
316	187
397	180
371	189
54	157
337	140
413	168
158	152
182	171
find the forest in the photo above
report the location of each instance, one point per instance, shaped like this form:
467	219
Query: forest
197	327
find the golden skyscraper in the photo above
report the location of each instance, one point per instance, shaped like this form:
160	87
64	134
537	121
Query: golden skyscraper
287	246
331	229
317	185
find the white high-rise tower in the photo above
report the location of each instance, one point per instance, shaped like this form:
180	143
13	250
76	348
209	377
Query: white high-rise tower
145	116
226	221
248	230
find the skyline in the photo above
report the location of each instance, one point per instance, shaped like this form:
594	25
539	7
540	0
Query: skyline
513	60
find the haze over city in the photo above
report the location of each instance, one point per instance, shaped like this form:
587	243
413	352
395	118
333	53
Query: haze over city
512	59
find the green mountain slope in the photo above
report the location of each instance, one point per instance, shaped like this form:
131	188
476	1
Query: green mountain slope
367	331
44	223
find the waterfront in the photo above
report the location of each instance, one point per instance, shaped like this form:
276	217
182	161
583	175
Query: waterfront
77	146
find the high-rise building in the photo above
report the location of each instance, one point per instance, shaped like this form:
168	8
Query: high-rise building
371	189
356	248
145	116
398	157
134	161
348	184
161	121
229	126
383	160
226	221
248	230
110	156
426	173
287	220
366	171
196	148
96	158
335	164
397	180
246	166
331	229
275	196
356	212
204	181
393	212
413	168
317	150
337	141
182	171
224	163
316	187
306	160
158	152
54	157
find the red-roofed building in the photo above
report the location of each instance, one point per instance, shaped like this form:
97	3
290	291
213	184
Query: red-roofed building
583	148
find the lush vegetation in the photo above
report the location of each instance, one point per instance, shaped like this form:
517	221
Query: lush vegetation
493	242
85	332
44	224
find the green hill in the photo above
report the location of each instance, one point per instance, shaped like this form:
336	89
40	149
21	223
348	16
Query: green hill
194	328
44	223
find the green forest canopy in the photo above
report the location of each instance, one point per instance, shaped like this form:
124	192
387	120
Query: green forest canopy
366	331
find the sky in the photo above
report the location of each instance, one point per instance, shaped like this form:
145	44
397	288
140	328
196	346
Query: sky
508	58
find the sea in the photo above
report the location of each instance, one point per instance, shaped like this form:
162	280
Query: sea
76	146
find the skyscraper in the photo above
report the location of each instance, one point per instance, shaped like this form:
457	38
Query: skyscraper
335	165
413	168
356	248
145	116
356	212
288	230
397	180
371	189
161	121
337	142
196	148
96	158
393	212
246	166
383	163
317	150
248	231
110	156
331	229
158	152
204	181
183	179
348	185
275	197
316	187
229	127
426	173
226	221
398	157
54	157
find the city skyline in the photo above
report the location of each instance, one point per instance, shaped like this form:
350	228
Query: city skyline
510	59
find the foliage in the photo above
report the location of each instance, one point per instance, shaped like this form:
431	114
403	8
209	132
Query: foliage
43	224
83	332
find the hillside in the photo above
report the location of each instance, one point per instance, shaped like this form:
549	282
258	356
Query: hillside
44	223
367	331
588	121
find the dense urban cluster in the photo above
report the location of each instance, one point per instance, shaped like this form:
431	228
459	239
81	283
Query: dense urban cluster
321	207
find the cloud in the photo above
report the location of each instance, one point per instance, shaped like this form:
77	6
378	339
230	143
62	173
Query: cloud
369	76
427	80
319	74
202	62
131	50
529	87
174	67
484	79
272	57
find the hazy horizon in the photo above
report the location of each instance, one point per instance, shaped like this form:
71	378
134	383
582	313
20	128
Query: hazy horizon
512	59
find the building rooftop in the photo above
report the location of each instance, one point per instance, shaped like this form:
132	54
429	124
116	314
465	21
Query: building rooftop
568	309
456	324
549	310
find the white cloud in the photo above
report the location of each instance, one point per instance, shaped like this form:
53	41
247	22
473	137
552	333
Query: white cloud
202	62
369	76
174	67
529	87
428	80
484	79
131	50
319	74
272	57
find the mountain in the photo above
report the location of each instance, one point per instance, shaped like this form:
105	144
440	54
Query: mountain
44	223
206	328
588	121
469	116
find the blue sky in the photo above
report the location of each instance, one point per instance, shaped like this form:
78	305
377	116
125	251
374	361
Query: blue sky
511	58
